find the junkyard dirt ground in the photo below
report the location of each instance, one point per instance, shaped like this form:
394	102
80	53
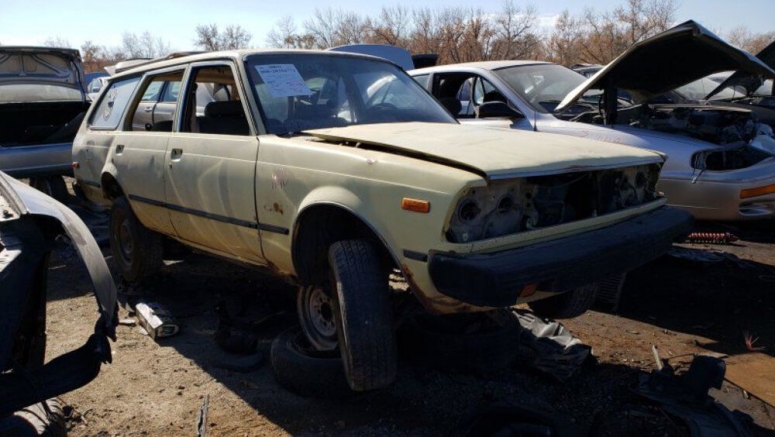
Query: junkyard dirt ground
157	388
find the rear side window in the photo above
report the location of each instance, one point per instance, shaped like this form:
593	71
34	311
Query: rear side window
113	103
422	80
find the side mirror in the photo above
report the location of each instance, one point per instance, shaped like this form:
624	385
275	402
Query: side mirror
496	110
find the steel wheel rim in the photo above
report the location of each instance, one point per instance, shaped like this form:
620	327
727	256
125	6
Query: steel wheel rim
317	314
125	241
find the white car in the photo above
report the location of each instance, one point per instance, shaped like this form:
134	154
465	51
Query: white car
299	169
720	165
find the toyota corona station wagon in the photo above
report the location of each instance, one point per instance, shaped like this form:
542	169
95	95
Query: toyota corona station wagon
333	170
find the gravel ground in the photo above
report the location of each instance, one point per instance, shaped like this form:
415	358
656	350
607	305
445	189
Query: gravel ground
158	387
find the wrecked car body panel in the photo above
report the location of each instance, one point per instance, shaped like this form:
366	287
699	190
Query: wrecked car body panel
691	50
28	224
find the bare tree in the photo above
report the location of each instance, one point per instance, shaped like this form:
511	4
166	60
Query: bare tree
285	35
751	42
57	42
391	27
144	45
515	36
610	33
233	37
322	26
564	42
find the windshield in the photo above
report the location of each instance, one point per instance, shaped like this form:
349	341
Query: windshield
542	86
298	92
700	88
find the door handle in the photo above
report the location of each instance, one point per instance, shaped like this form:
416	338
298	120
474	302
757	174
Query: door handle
176	154
148	109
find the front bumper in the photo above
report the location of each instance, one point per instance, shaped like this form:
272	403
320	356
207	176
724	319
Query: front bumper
496	279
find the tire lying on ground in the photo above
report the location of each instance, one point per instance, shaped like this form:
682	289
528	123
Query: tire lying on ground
41	419
136	249
472	343
566	305
299	368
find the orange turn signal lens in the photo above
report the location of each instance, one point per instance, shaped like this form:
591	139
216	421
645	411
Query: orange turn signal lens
759	191
416	205
528	290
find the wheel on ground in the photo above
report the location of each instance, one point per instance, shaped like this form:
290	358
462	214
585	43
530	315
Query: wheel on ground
566	305
472	343
53	186
302	369
363	313
136	250
41	419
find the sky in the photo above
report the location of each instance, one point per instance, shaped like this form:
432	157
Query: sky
32	22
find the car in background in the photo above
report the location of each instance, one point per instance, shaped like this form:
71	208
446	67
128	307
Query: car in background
29	225
96	85
332	169
42	103
715	168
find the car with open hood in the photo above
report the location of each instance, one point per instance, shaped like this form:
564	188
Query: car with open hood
715	168
31	225
42	103
333	170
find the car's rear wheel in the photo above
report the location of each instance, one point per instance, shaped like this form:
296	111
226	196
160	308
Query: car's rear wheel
566	305
53	186
136	250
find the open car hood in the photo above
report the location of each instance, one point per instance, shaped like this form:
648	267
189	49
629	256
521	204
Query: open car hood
664	62
41	65
490	152
745	79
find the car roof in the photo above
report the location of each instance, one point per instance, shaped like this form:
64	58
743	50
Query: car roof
176	58
484	65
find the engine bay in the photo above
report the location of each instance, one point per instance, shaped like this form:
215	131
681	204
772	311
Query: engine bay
509	207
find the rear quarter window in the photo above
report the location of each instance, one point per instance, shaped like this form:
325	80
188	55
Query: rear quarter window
113	103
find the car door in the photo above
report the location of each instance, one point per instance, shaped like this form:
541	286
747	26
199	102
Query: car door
210	166
143	117
168	99
139	157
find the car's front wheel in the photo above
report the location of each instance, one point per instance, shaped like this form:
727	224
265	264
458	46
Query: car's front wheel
566	305
136	250
353	312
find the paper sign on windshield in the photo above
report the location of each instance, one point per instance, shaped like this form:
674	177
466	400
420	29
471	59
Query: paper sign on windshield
283	80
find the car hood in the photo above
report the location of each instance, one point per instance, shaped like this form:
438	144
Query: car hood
680	55
41	65
749	81
493	153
